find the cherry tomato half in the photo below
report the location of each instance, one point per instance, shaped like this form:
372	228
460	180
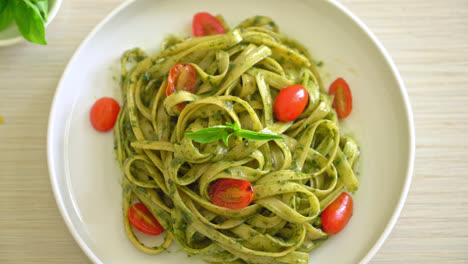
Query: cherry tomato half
104	114
290	103
205	24
337	214
231	193
182	77
142	219
343	102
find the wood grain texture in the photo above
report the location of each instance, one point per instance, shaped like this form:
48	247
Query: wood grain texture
428	41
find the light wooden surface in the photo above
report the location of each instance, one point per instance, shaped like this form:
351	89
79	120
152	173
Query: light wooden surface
428	41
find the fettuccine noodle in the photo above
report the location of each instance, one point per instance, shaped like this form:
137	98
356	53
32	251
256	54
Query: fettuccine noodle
239	74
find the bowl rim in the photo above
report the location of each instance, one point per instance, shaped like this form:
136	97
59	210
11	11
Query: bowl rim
52	13
411	131
402	89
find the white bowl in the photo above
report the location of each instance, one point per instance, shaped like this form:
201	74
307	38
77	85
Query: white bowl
11	35
85	175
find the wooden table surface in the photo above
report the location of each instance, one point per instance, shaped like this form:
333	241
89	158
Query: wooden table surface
428	41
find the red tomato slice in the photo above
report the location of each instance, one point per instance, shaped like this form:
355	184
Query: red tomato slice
205	24
290	103
337	214
343	102
142	219
104	114
231	193
182	77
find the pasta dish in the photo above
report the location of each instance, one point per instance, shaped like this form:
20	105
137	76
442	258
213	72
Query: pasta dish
230	141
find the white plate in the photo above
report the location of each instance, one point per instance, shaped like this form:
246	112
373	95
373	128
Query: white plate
11	35
85	175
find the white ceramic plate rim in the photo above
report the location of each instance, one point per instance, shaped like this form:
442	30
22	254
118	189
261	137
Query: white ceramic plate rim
409	115
52	13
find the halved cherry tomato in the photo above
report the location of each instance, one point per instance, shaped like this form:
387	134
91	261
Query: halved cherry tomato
142	219
290	103
182	77
343	102
205	24
337	214
104	114
231	193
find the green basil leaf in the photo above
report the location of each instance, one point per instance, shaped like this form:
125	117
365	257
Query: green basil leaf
215	133
6	13
29	21
43	7
3	4
255	135
208	134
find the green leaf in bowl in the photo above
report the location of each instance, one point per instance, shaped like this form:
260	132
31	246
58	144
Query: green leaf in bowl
29	21
6	13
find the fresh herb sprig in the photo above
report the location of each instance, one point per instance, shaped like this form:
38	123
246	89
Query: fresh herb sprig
215	133
30	17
